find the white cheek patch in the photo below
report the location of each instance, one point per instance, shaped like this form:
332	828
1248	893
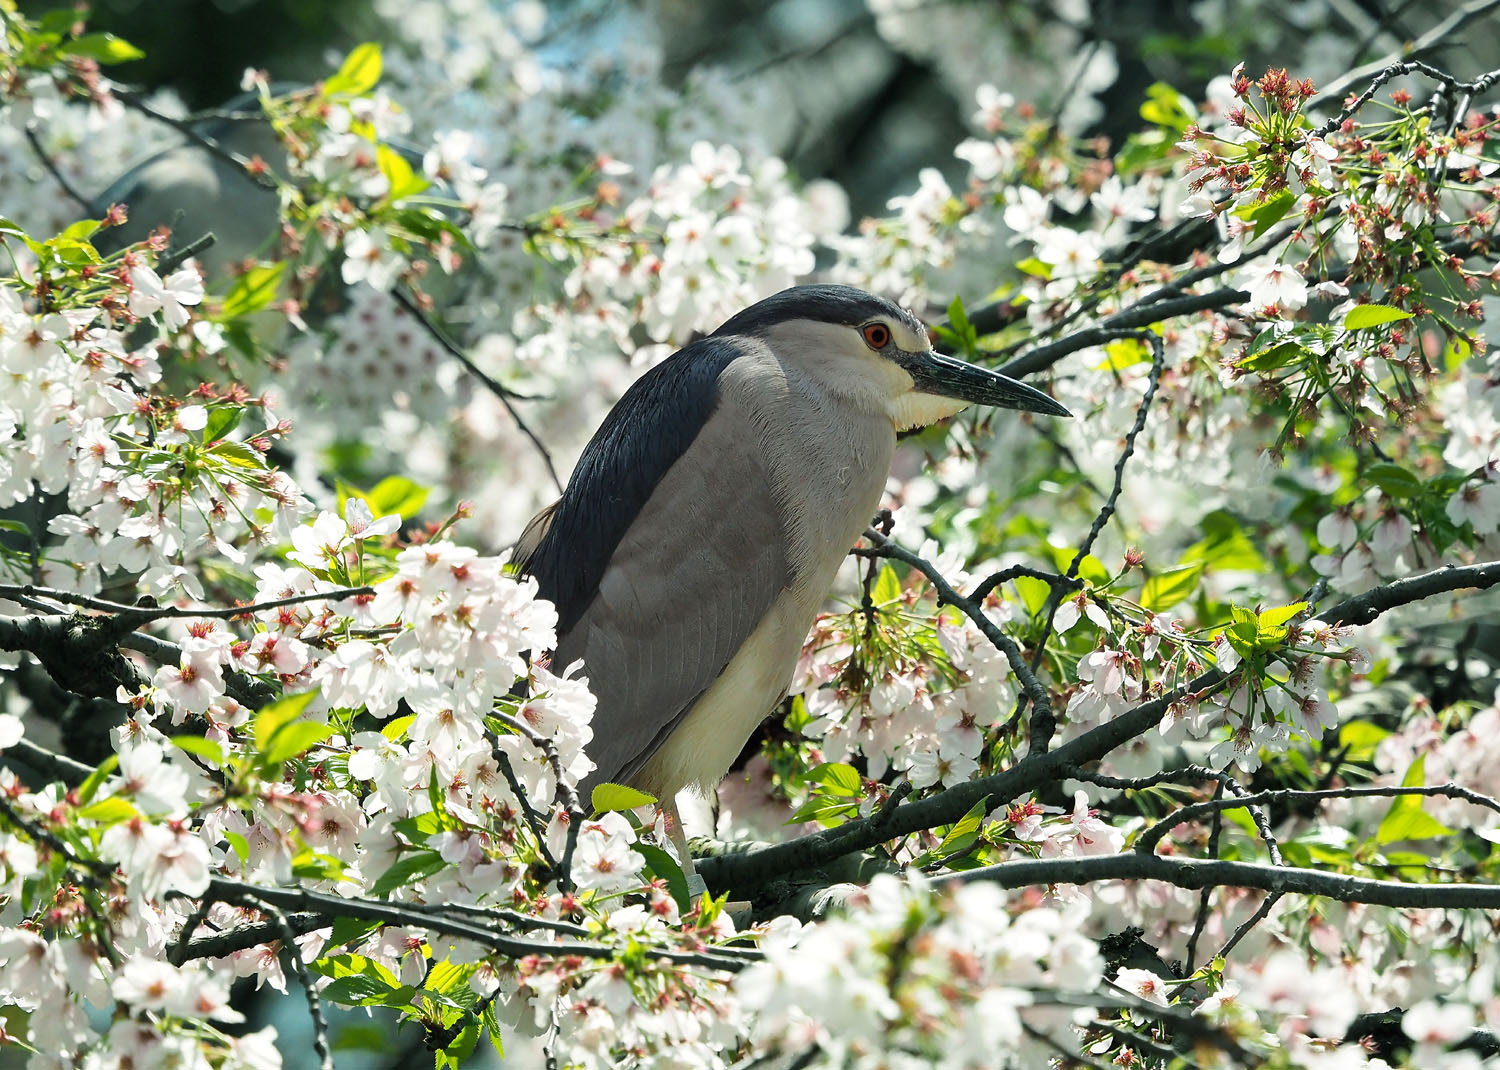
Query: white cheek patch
914	409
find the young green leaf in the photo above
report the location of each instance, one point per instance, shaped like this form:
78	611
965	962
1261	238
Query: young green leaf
407	870
1165	589
608	798
278	714
358	74
1361	316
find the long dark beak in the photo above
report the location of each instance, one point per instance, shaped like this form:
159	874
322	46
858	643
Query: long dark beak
934	373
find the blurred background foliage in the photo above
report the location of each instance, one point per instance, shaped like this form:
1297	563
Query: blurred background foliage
873	91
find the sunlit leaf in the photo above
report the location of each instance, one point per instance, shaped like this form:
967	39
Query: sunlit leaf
1361	316
608	798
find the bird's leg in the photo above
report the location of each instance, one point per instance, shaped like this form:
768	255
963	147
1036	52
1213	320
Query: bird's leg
695	884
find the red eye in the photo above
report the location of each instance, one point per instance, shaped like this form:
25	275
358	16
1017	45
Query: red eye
877	335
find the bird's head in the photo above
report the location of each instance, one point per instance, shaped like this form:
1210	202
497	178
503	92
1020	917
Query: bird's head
862	346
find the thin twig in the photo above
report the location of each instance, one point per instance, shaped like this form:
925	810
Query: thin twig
143	614
1206	896
56	172
533	818
1042	723
188	129
1147	841
314	1004
971	609
1196	873
332	906
1261	913
504	394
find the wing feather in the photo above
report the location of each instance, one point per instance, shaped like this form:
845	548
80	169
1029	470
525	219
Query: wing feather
688	583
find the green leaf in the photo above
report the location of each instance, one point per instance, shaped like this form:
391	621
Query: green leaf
109	811
608	798
826	810
1268	212
1455	353
1165	106
839	778
276	718
359	1036
91	783
404	182
359	73
1360	738
1124	353
887	589
314	865
222	420
408	870
962	330
399	175
349	930
1406	820
1393	480
397	494
1225	546
237	454
1278	356
239	844
199	747
662	865
82	230
1245	625
1361	316
104	48
356	990
292	740
1033	593
1090	568
965	831
463	1044
1278	617
254	290
393	730
418	828
272	718
1035	268
492	1027
446	977
1170	586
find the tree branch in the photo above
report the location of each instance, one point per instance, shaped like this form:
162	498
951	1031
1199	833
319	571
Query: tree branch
1147	841
328	907
1043	357
753	869
1197	873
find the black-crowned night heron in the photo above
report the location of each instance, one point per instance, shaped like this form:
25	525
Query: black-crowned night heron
705	522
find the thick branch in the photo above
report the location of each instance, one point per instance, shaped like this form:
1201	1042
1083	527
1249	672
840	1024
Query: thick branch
1199	873
1043	357
754	868
1363	608
1153	835
328	907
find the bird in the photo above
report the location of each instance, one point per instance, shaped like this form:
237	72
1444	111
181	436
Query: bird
699	534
